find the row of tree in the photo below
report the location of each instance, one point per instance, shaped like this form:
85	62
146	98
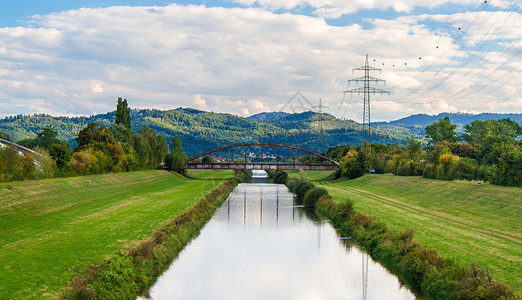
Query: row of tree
99	149
487	151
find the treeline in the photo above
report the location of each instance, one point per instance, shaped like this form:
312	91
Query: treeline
99	149
487	151
202	131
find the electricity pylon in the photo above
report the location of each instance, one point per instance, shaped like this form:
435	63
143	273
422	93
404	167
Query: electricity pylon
366	90
320	111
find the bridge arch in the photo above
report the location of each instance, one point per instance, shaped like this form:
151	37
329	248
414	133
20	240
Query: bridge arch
191	164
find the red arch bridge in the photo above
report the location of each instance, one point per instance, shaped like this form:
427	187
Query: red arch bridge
195	162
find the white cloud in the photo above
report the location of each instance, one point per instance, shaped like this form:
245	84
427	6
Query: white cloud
242	61
337	8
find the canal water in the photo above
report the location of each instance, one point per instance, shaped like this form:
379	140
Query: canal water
259	245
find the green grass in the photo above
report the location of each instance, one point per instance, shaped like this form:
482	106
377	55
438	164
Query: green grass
312	175
471	223
50	230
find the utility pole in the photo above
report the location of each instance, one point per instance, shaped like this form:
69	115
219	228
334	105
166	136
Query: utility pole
366	90
320	111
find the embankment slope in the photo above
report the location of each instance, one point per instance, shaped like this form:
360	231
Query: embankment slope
471	223
50	230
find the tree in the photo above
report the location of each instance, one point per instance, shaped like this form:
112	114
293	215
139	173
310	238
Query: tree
207	159
175	160
122	114
440	131
93	134
61	154
47	137
414	149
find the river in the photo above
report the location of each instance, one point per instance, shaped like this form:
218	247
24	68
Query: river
259	245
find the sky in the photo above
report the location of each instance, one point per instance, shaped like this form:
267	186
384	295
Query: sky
72	58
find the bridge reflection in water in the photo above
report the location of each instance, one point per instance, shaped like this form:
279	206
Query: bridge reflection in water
259	245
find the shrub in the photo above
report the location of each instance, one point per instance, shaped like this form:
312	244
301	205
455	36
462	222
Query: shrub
313	195
280	177
302	188
463	169
485	173
429	171
509	169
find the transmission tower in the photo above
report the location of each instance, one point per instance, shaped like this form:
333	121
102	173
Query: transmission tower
320	111
366	90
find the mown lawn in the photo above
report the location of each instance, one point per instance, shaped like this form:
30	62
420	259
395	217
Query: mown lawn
312	175
471	223
50	230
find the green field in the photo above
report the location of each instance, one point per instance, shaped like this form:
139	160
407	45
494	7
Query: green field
471	223
50	230
312	175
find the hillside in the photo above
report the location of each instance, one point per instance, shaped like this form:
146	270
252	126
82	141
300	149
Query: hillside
201	130
268	116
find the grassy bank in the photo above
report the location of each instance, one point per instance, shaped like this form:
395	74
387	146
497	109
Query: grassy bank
50	230
471	223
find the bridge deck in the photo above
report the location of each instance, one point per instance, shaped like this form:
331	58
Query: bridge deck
262	166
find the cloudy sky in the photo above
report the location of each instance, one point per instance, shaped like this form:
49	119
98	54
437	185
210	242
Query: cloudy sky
243	57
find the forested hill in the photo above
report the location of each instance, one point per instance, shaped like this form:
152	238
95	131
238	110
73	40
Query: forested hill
201	130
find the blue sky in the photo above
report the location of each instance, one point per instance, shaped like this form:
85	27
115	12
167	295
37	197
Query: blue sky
248	56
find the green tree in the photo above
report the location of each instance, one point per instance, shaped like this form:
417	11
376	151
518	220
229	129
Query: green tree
509	168
414	150
207	159
440	131
44	139
478	131
61	154
179	155
47	137
93	134
161	147
122	114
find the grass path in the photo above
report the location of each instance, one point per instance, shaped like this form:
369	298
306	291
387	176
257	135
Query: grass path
478	224
50	230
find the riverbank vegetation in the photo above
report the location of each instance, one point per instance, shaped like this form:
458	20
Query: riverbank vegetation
52	230
464	247
487	151
99	149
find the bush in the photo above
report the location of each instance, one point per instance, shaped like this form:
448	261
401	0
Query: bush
463	169
302	188
429	171
509	169
485	173
280	177
313	195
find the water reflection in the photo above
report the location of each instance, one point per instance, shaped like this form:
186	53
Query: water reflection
259	245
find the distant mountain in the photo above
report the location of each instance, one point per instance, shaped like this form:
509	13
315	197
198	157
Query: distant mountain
455	118
268	116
